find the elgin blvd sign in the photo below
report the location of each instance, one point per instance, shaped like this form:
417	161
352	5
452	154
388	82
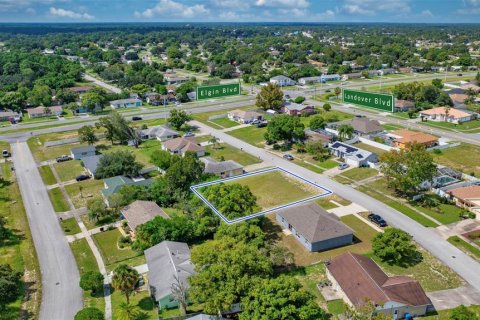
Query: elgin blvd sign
384	102
217	91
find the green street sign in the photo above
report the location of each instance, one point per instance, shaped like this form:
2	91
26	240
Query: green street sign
384	102
221	90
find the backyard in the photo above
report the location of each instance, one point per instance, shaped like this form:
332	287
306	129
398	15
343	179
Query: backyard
251	134
463	158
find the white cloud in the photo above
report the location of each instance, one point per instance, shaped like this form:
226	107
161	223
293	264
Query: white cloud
283	3
427	13
59	12
17	5
233	5
173	9
374	7
470	7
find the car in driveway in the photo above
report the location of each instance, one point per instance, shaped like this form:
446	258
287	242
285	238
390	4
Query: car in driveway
189	134
343	166
288	157
82	177
63	158
137	118
378	220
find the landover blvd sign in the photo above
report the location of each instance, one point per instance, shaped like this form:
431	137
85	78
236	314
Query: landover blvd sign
373	100
217	91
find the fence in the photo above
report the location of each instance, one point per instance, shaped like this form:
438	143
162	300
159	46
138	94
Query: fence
68	141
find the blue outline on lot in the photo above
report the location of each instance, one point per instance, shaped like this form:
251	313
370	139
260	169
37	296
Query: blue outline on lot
254	215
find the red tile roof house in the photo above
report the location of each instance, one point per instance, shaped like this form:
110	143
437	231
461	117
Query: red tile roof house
295	109
39	112
181	145
359	279
468	197
441	114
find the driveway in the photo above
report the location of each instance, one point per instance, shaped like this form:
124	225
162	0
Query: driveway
61	294
428	238
448	299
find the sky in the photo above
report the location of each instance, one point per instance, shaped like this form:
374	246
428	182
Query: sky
320	11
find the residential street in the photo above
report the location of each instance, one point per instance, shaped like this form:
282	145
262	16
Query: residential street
61	294
461	263
102	84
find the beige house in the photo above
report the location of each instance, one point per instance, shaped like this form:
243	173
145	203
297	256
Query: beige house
358	279
140	212
442	114
468	197
244	116
182	145
40	111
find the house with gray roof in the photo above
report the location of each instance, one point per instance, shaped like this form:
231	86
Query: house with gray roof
82	152
353	156
364	126
315	228
140	212
161	133
282	81
168	263
91	163
223	169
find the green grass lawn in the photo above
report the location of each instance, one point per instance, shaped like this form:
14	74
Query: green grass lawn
47	175
230	153
309	276
42	153
336	307
69	170
465	246
275	188
18	251
107	244
308	166
224	122
142	153
91	190
140	299
58	201
391	127
251	134
203	117
445	314
86	262
470	126
463	158
70	226
328	164
370	148
444	213
326	202
359	174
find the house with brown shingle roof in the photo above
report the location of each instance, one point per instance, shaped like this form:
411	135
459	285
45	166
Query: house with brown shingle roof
358	279
140	212
182	145
403	137
364	126
458	99
315	228
468	197
446	115
41	111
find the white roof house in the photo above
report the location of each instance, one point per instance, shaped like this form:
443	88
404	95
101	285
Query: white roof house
282	81
161	133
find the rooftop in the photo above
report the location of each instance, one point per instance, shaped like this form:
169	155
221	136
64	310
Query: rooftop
365	125
406	136
84	149
452	112
184	144
214	166
139	212
470	192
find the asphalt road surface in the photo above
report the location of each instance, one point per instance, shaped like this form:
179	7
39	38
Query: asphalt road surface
102	84
61	294
458	261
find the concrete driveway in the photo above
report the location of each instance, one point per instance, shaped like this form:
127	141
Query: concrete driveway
448	299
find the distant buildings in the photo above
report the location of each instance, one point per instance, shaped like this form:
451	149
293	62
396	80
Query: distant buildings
329	77
126	103
403	105
309	80
223	169
364	126
282	81
172	79
446	115
41	111
296	109
244	116
9	115
81	89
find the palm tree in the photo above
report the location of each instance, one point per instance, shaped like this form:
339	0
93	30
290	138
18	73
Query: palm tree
125	279
127	311
345	131
213	140
337	91
447	112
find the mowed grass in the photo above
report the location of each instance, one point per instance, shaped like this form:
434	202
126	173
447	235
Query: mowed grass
47	175
276	188
107	242
464	158
70	226
68	170
224	122
328	202
140	299
142	153
91	190
445	314
358	174
251	134
58	200
18	250
466	247
470	126
230	153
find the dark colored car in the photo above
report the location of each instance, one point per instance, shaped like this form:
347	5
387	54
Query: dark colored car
375	218
82	177
261	124
5	153
137	118
63	158
288	157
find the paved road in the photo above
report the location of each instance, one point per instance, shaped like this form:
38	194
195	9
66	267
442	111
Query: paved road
102	84
461	263
61	294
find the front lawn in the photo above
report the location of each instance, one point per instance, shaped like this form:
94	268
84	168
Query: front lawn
80	193
141	299
466	247
107	243
327	203
42	153
358	174
58	201
70	226
224	122
227	152
68	170
142	153
470	126
47	175
251	134
463	158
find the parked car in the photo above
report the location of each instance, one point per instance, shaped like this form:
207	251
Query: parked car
459	74
287	96
261	124
188	134
137	118
82	177
288	157
63	158
343	166
375	218
5	153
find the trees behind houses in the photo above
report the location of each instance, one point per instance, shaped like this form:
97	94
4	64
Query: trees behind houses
285	128
233	200
270	97
87	134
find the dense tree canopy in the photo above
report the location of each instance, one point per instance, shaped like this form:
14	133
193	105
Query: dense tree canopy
270	97
285	128
116	163
232	200
394	246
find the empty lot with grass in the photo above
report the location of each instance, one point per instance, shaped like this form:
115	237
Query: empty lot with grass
227	152
464	158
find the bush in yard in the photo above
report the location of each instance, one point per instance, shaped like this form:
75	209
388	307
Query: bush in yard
161	158
232	200
89	314
317	150
395	246
462	313
299	99
91	281
118	163
317	122
327	107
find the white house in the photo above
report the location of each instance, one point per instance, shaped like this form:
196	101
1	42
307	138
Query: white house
353	156
282	81
126	103
442	114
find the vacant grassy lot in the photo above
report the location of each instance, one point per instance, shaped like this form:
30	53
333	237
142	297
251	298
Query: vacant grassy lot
358	174
70	226
464	158
41	153
224	122
275	188
471	126
140	299
326	202
370	148
47	175
391	127
107	242
251	134
68	170
466	247
203	117
80	193
58	201
142	153
18	250
227	152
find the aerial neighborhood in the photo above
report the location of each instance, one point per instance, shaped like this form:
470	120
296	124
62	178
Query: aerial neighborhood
239	171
